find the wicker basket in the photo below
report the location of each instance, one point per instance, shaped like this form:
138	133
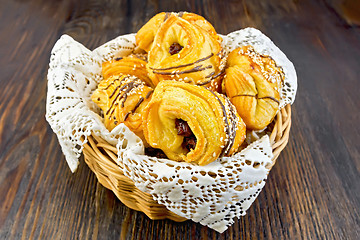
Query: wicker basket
100	157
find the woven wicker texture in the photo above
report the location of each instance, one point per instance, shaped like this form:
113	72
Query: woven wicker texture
101	158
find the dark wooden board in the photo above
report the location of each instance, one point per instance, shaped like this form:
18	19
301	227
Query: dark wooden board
311	193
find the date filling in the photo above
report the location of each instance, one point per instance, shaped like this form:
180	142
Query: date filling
175	48
183	129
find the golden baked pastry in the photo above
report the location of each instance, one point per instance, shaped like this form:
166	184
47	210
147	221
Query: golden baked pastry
122	99
200	22
132	65
252	82
191	123
183	47
181	51
145	36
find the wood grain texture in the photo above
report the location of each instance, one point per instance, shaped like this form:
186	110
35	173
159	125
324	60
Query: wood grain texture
311	193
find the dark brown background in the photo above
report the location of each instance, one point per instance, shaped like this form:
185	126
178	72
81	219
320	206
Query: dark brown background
311	193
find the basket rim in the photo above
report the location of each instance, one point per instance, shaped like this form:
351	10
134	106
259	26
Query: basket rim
101	158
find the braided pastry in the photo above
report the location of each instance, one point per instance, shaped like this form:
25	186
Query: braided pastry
191	123
252	82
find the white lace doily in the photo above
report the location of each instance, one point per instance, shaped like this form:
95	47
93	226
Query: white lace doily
213	194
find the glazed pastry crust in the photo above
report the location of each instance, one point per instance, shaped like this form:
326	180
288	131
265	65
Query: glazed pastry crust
122	99
132	65
219	131
145	36
198	61
201	23
253	82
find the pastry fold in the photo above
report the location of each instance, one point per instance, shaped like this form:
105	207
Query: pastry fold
182	47
132	65
253	82
145	36
122	99
191	123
